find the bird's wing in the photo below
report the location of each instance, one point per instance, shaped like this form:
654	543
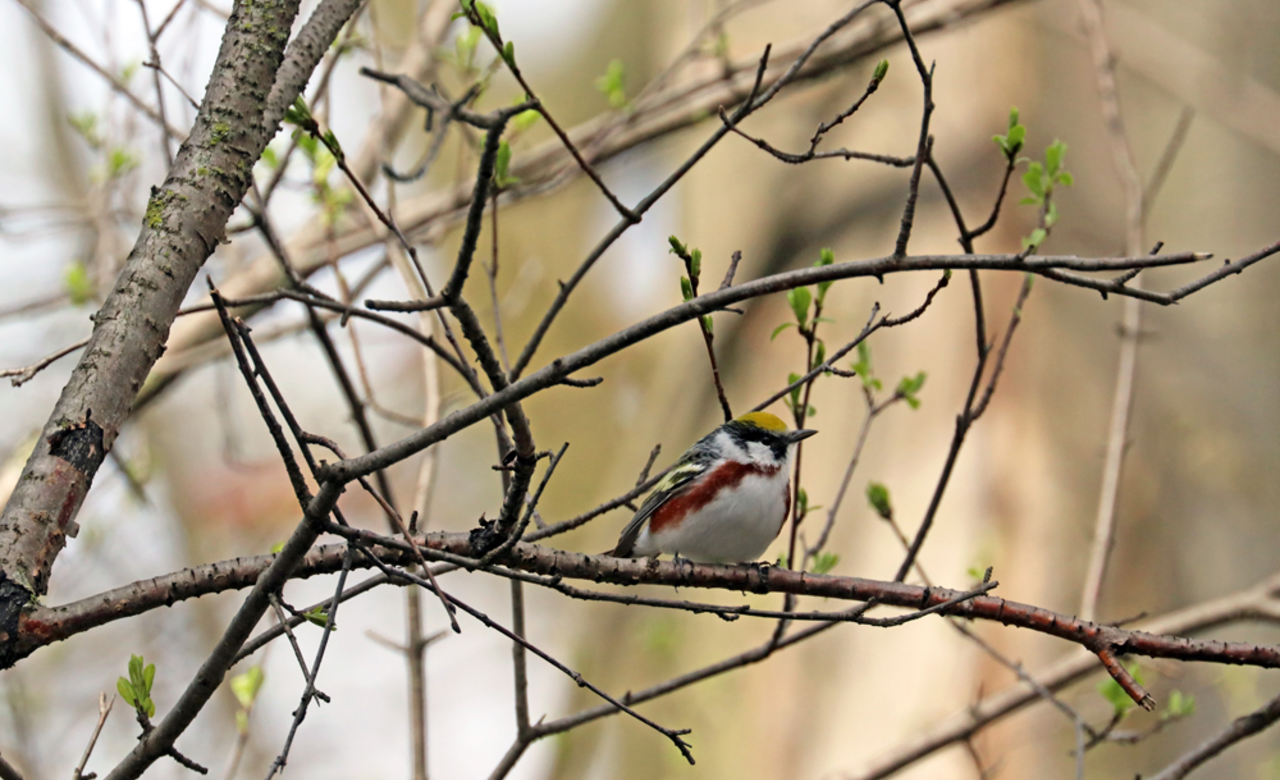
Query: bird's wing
673	484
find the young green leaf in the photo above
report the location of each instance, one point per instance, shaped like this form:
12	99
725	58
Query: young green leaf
863	367
825	257
485	15
720	47
1011	142
465	47
136	690
319	616
1017	134
686	288
613	85
525	119
800	298
502	166
1180	705
1034	179
86	126
780	328
245	686
77	283
127	693
882	70
878	498
120	162
1121	702
825	562
299	114
331	143
324	163
1053	157
909	386
819	354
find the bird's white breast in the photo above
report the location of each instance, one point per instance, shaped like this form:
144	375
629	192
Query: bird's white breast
736	526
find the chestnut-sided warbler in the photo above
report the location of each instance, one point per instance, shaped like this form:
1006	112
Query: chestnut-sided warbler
726	498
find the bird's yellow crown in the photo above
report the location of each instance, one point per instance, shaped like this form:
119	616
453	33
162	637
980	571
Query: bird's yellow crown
769	422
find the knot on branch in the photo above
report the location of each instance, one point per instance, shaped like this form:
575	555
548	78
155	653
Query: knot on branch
13	597
485	538
80	444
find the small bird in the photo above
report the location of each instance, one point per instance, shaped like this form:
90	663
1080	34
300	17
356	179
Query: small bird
724	501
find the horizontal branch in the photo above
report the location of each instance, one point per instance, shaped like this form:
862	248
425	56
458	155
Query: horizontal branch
560	368
1258	602
45	625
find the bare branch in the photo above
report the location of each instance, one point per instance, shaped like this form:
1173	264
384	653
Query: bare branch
25	374
1240	728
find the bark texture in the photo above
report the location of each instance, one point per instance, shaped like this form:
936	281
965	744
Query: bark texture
184	222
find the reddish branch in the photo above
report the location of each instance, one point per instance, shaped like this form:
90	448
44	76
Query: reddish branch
45	625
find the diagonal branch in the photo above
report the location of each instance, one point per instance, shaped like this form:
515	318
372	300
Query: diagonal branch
1241	728
563	367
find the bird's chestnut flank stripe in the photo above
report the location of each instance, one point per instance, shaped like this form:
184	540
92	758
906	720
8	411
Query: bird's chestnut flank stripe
559	368
726	476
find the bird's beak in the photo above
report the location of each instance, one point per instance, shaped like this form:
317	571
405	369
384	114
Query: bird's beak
800	435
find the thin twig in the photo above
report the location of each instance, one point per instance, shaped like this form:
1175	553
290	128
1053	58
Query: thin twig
704	323
155	77
757	97
924	147
1240	728
1167	158
309	692
104	709
282	622
1104	67
706	303
23	375
964	421
873	411
507	56
675	735
519	670
116	84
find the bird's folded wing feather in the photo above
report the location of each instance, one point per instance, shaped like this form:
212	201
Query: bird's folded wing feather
673	484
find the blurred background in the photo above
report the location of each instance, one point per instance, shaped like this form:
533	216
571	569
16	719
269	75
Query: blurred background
194	478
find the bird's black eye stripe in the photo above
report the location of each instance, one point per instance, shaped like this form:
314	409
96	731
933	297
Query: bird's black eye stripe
743	434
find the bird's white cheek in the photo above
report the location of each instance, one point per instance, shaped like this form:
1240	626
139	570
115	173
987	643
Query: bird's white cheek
759	453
